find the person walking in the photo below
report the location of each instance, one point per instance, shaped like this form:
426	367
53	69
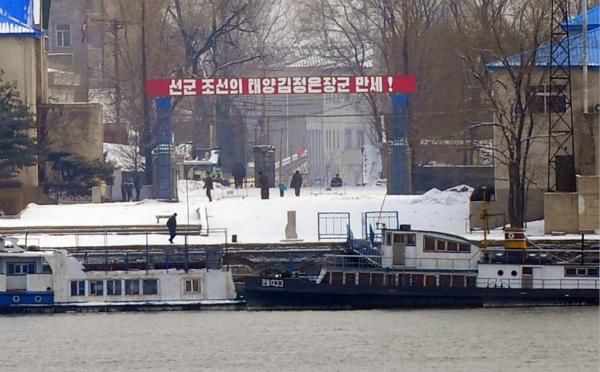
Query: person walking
129	189
172	226
296	183
208	185
263	182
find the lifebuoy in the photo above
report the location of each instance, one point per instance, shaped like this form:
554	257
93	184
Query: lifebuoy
16	299
510	235
37	299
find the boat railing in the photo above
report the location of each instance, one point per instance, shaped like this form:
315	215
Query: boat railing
589	283
540	256
175	258
439	263
352	261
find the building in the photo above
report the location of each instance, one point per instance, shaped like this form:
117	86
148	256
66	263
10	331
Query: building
574	210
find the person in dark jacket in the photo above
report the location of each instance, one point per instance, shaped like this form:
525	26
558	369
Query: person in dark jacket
137	184
263	182
336	181
208	185
296	183
239	173
172	226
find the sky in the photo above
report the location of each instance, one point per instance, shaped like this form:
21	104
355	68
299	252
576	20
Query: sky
243	213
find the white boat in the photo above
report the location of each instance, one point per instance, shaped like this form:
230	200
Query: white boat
34	280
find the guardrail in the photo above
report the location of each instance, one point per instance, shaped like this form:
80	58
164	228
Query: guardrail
121	229
590	283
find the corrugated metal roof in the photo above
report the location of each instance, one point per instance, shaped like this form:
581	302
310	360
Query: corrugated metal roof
576	23
575	46
16	18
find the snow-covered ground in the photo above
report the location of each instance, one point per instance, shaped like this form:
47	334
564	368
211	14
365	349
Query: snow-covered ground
253	220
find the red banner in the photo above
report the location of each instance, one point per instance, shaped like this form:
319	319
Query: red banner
281	85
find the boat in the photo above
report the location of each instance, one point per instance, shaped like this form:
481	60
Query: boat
34	280
413	268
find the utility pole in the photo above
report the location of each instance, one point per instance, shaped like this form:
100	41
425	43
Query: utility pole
115	26
146	132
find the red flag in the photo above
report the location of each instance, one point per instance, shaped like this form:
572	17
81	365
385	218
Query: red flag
84	29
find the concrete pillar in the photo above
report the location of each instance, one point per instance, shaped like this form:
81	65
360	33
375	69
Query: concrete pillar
290	228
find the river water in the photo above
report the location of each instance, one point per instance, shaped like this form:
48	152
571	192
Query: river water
515	339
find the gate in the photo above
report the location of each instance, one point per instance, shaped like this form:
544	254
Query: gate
377	221
333	225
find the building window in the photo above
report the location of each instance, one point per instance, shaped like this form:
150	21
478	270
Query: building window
63	36
360	138
113	288
150	286
541	99
96	288
15	269
192	286
347	139
132	287
78	288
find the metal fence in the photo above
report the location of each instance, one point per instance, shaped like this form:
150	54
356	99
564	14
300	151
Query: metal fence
377	221
333	225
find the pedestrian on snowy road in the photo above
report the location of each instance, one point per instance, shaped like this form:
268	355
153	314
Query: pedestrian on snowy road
263	182
208	185
296	183
172	226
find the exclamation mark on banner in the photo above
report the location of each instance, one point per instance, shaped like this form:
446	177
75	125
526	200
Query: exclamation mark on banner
390	80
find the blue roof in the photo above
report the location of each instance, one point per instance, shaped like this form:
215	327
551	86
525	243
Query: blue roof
576	23
16	18
575	45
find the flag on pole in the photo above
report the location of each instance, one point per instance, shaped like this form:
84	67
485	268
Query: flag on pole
84	29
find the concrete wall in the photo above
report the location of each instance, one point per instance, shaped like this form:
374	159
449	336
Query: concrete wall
560	212
13	201
75	128
588	188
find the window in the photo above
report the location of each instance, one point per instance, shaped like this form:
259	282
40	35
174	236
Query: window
347	139
63	36
132	287
78	288
113	288
440	245
407	239
429	243
96	287
581	271
150	286
192	286
21	268
541	99
360	138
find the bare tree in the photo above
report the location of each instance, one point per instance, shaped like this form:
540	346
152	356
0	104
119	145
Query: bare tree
506	34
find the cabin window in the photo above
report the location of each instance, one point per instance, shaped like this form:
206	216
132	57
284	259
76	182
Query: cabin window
96	288
113	287
581	271
464	248
408	239
192	286
452	246
429	243
440	245
21	268
150	286
132	287
78	288
388	239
